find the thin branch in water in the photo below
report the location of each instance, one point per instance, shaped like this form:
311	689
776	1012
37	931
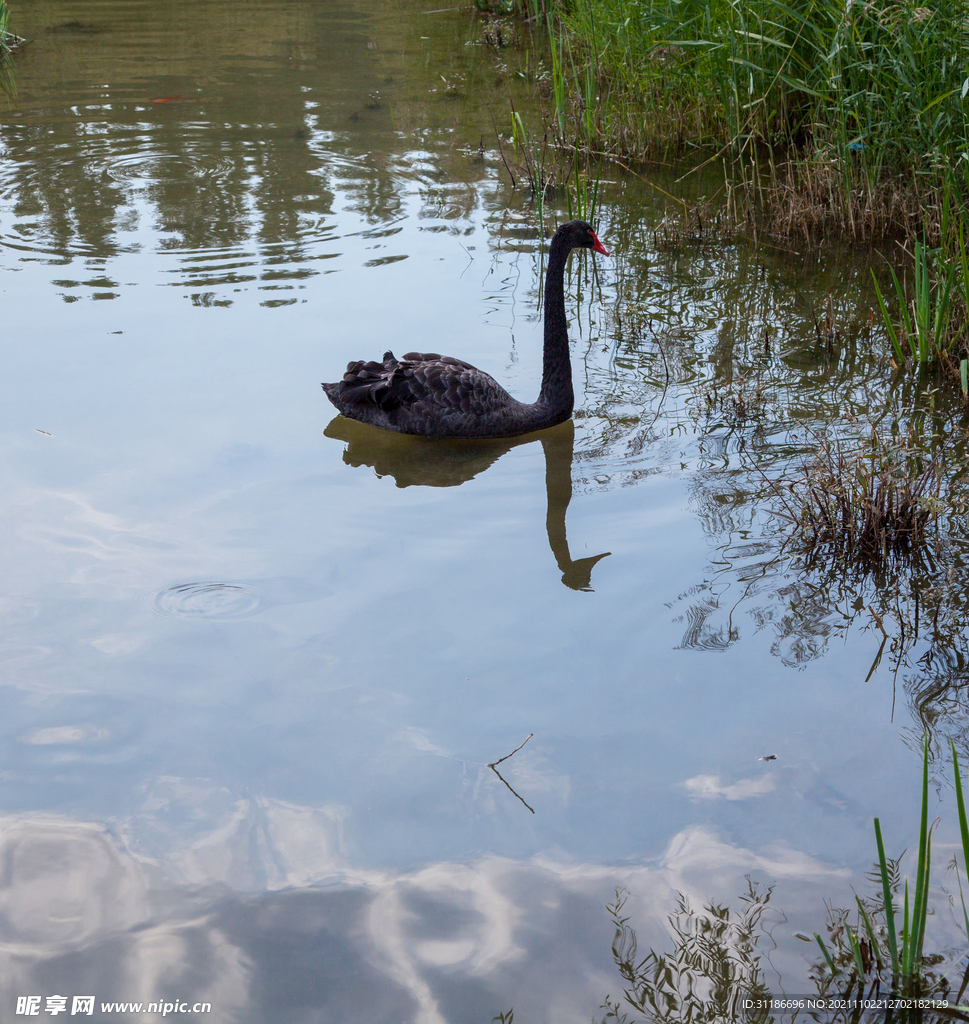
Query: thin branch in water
503	779
662	352
515	751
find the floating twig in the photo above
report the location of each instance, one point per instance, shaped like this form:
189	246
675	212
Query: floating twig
503	779
515	751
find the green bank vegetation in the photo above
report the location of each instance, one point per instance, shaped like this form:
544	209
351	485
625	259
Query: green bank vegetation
856	111
828	117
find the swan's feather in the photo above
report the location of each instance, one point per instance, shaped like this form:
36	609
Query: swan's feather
413	393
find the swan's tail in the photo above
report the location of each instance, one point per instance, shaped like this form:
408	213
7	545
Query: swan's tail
365	383
333	392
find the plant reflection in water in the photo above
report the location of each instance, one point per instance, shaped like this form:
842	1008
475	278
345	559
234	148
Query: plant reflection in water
714	967
715	973
448	463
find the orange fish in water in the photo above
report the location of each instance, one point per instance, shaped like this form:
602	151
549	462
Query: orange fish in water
166	99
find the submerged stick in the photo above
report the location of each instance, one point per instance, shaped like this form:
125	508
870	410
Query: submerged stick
515	751
503	779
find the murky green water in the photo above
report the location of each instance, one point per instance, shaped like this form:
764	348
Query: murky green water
256	660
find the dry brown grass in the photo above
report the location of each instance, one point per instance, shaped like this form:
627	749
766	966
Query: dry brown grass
865	505
816	196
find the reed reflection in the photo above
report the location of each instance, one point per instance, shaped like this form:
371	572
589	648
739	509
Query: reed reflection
447	463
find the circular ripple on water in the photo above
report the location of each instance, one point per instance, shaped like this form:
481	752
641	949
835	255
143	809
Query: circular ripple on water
204	599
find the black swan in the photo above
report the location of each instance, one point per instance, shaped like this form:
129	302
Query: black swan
437	396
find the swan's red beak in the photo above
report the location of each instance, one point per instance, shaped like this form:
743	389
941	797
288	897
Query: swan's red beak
597	246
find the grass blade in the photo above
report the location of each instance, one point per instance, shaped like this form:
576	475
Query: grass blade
889	906
921	904
963	825
906	937
827	955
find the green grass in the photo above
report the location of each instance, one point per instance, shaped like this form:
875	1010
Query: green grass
7	38
932	325
881	83
884	949
7	41
849	114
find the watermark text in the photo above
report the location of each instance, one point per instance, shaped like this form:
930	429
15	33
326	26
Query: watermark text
35	1006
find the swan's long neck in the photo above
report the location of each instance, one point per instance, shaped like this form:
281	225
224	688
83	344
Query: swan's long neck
557	368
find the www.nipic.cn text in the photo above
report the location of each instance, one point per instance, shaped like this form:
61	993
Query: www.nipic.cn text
34	1006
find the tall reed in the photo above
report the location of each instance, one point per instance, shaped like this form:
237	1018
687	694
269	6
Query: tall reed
8	38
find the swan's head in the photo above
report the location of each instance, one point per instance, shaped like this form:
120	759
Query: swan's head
580	235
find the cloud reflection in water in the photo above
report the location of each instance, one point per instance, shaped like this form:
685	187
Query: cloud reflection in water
265	916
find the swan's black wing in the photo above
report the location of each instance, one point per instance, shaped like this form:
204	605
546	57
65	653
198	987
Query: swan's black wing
422	384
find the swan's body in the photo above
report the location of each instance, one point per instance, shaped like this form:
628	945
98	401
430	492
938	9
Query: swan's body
437	396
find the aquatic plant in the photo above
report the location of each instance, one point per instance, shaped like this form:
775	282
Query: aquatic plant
582	195
534	162
864	504
883	950
4	25
714	966
932	325
714	971
546	168
924	334
8	40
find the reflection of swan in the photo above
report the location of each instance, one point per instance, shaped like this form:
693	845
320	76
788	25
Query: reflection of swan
435	396
447	463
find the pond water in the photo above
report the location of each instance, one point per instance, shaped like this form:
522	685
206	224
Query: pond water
257	659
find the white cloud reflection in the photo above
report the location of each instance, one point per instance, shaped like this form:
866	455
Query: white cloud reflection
709	787
269	905
62	734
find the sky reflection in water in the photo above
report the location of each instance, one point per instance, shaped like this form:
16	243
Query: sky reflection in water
256	662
